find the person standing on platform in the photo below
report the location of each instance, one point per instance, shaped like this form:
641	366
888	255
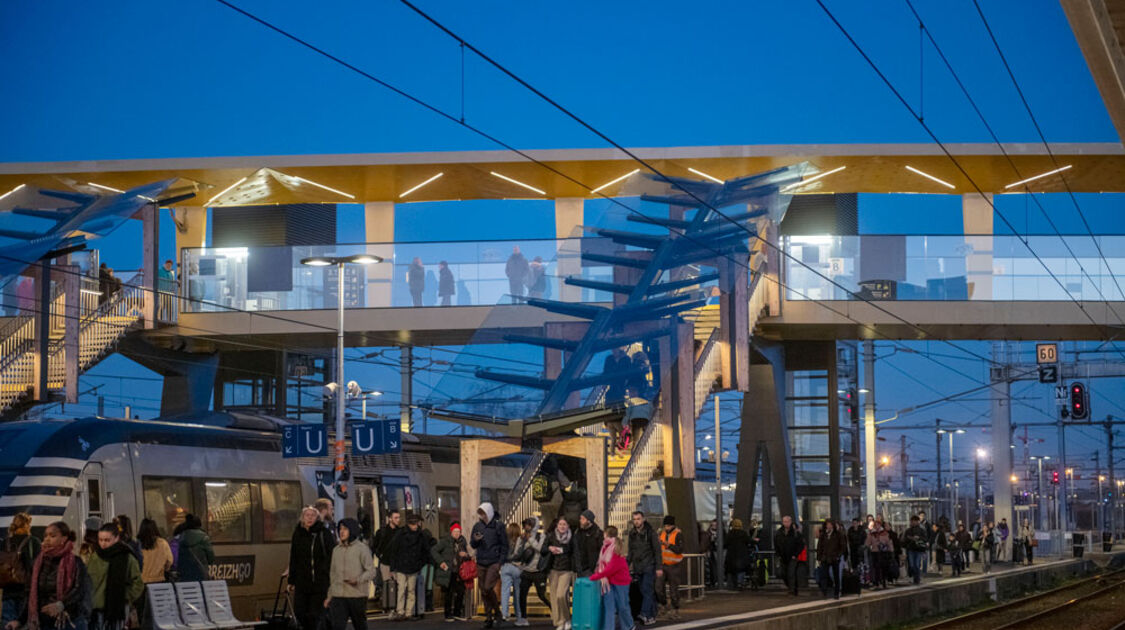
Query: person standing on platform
58	593
613	573
448	554
352	572
857	535
533	573
737	546
616	366
788	545
446	286
588	540
491	543
1002	533
156	551
1027	538
672	558
917	548
26	547
960	544
987	541
831	547
195	555
537	278
517	271
940	539
560	576
880	549
115	579
416	280
644	564
410	552
926	527
381	547
510	573
310	552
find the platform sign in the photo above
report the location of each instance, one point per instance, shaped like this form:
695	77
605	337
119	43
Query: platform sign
304	440
1048	373
1061	394
376	437
1046	353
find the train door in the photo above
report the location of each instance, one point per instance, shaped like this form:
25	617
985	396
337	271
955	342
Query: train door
91	495
369	512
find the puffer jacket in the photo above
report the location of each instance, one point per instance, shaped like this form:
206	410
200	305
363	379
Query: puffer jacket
489	538
447	550
409	550
589	546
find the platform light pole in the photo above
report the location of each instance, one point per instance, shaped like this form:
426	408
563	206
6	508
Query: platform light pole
718	486
1040	512
981	454
341	396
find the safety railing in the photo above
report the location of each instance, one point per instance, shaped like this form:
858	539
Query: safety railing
17	352
645	459
523	496
707	368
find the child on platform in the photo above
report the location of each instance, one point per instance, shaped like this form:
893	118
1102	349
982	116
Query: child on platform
613	574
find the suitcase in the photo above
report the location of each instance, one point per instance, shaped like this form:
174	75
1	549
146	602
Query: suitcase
849	583
280	618
587	605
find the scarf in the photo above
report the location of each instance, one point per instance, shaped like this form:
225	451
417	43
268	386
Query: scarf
563	538
66	577
603	561
117	578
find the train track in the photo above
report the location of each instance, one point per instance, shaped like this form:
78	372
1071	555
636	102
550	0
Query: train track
1090	604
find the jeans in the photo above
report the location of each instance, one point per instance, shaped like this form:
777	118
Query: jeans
831	573
558	584
646	583
957	561
341	609
540	581
454	597
986	559
420	594
916	560
11	610
509	581
489	576
789	572
925	563
406	583
616	604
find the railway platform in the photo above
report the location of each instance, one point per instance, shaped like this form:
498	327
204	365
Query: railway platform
903	605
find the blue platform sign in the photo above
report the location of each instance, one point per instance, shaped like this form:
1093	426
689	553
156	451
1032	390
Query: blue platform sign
304	440
376	437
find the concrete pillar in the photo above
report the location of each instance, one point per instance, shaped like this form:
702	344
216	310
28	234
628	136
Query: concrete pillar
683	464
976	212
666	410
379	227
772	267
72	296
150	261
569	213
596	491
1001	439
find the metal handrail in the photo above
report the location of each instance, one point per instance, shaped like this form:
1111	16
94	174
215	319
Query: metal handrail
521	507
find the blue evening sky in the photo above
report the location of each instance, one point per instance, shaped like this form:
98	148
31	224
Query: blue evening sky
140	79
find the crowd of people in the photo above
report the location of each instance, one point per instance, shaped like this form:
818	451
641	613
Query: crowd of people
525	279
98	583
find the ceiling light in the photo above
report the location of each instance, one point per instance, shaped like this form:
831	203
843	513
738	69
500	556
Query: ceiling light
225	191
608	184
421	185
517	182
813	178
702	174
11	191
930	177
109	188
309	181
1040	176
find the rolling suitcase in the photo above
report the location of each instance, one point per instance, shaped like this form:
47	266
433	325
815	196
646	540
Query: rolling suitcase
587	605
849	583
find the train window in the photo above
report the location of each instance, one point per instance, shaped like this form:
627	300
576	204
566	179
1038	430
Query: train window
449	507
281	507
404	498
94	496
228	510
167	501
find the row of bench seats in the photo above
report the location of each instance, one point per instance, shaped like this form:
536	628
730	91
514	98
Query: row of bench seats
193	606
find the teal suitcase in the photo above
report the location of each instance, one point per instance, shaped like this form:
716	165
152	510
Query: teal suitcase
587	605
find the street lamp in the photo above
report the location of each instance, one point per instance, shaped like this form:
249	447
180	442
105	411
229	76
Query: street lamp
981	454
1039	491
951	433
340	261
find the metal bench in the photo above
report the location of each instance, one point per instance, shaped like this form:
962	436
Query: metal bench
162	607
193	610
219	608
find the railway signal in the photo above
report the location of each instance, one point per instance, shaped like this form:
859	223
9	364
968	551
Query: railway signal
1079	401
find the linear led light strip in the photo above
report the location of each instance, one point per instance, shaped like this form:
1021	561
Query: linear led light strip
622	178
11	191
309	181
930	177
813	178
702	174
1039	176
120	192
225	191
421	185
517	182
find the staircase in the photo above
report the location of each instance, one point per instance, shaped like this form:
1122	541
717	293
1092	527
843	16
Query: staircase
100	327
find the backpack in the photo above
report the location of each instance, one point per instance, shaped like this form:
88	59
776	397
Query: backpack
541	488
12	571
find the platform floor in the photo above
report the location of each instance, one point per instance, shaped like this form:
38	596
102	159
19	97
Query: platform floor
721	608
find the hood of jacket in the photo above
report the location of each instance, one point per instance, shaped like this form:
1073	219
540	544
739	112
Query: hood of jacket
489	511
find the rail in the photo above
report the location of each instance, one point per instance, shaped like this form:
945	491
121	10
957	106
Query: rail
523	503
646	457
708	367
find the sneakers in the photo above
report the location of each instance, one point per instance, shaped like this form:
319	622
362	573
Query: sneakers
522	622
449	620
566	626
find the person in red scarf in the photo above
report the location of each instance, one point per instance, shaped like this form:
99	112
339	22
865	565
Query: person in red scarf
613	574
59	594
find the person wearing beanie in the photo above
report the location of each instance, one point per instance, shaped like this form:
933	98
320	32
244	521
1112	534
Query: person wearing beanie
588	541
448	554
351	574
672	559
410	552
490	541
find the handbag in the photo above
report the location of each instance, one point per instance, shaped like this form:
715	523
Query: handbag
468	570
1034	542
803	556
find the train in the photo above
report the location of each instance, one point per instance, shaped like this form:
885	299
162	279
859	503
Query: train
227	468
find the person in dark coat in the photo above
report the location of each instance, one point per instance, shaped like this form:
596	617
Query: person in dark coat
410	553
737	547
310	554
446	285
195	555
381	547
916	540
21	542
59	591
517	271
617	367
644	560
490	539
832	546
788	543
416	280
448	554
959	547
857	536
537	278
589	542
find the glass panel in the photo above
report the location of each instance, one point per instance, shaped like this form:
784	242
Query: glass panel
167	501
449	507
228	511
811	472
402	498
281	507
94	496
809	442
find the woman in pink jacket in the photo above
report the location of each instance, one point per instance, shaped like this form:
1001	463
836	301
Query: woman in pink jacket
613	573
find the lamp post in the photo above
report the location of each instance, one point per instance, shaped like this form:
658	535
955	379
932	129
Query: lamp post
1040	512
951	432
1099	514
981	454
364	397
341	395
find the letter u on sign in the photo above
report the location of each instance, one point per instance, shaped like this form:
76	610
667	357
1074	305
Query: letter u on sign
366	437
